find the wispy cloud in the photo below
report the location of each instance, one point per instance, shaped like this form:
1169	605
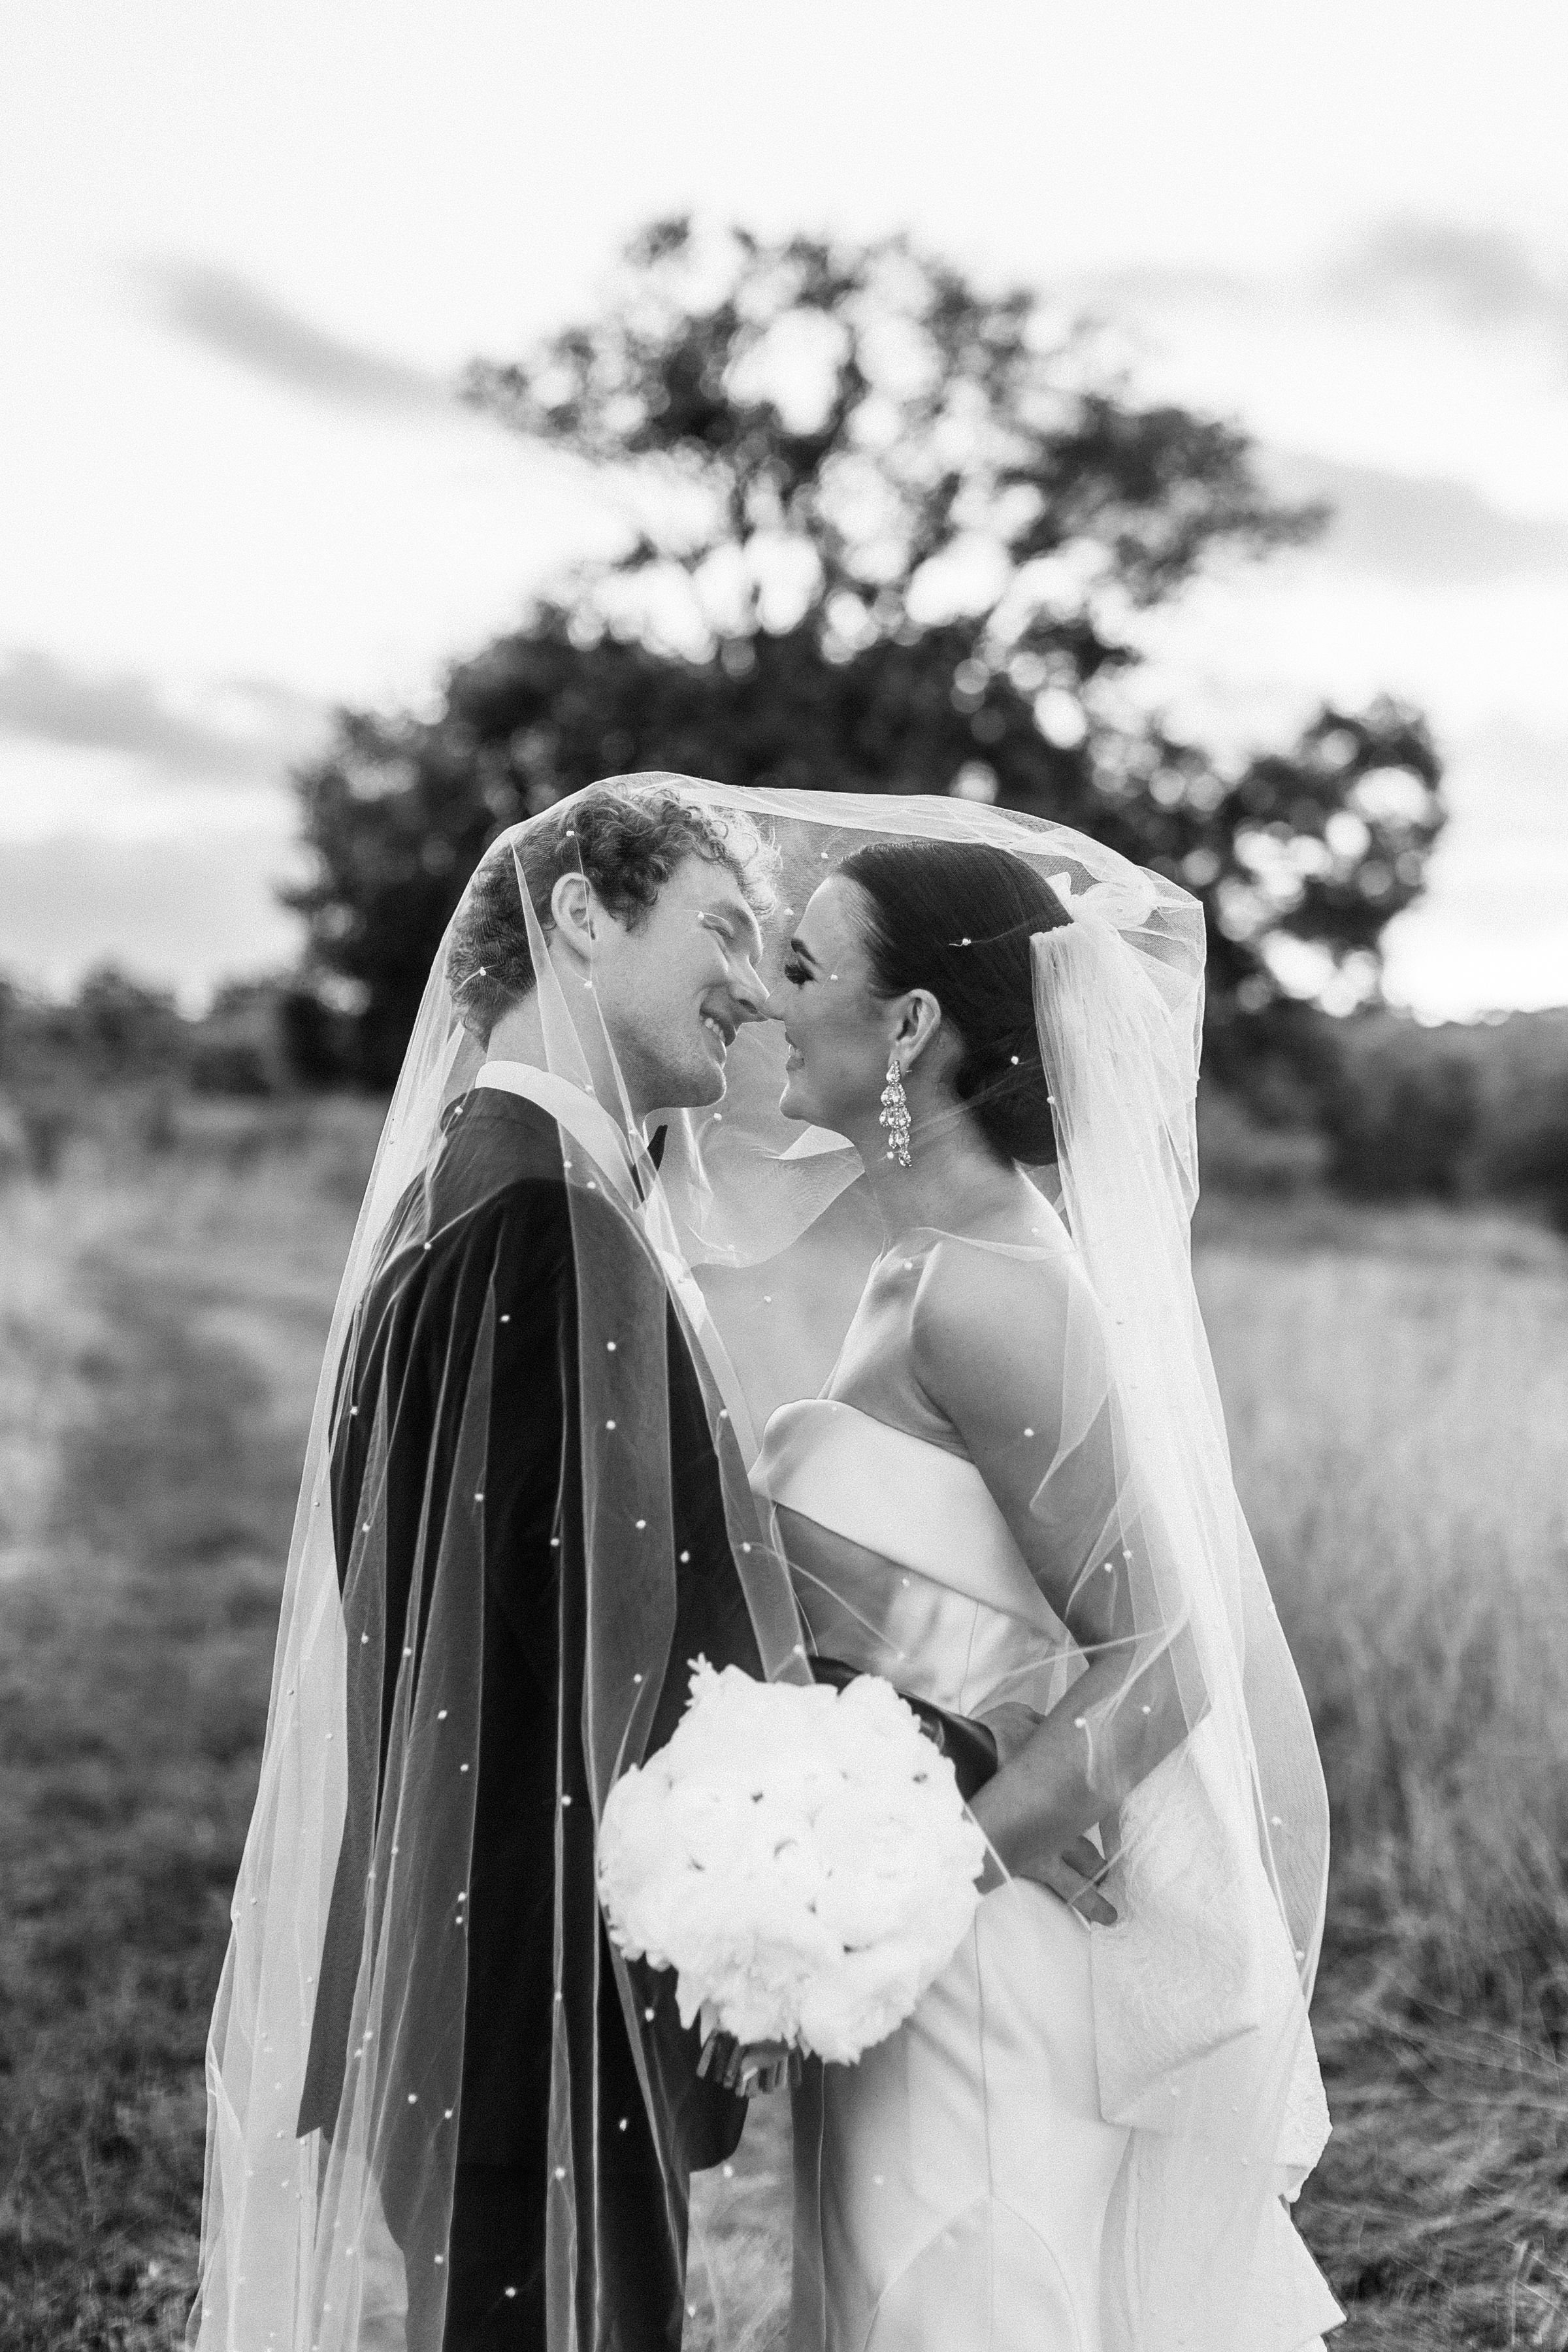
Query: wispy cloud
241	732
1424	529
222	310
1481	277
1475	277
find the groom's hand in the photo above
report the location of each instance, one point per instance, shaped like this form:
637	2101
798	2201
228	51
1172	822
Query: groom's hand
748	2068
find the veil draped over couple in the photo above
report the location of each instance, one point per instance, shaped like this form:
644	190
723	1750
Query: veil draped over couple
777	1253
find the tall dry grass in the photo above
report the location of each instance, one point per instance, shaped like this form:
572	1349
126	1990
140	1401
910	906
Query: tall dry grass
1396	1389
162	1317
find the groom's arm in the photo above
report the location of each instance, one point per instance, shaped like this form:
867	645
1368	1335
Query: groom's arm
970	1745
713	1617
697	2119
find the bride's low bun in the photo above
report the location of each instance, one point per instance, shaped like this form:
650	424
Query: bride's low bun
957	918
1004	1085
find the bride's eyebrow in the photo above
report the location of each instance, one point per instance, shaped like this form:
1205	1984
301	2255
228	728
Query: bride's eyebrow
797	947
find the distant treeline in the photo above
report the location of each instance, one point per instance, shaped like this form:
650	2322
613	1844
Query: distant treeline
1377	1105
258	1037
119	1041
1381	1106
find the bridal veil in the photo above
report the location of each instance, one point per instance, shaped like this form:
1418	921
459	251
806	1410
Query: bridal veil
326	2239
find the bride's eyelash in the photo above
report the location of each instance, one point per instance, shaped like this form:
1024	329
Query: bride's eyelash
794	970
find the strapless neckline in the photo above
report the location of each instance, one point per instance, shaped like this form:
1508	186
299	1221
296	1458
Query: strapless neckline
915	1504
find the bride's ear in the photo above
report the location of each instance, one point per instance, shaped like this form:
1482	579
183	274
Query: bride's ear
920	1019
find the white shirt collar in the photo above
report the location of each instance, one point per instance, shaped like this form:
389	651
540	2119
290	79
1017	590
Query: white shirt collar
605	1141
583	1116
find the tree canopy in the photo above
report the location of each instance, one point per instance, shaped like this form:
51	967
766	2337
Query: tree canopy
884	531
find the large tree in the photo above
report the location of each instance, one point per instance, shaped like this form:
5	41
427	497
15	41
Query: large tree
884	532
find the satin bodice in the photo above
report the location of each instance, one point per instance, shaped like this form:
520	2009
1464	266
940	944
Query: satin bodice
903	1564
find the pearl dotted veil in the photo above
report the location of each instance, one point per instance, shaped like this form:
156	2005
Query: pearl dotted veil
336	2237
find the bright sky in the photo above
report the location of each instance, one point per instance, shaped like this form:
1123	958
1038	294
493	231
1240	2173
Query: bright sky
247	250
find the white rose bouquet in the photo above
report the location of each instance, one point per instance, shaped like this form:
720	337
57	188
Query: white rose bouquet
799	1856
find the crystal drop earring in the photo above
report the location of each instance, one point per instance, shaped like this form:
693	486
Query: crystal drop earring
894	1114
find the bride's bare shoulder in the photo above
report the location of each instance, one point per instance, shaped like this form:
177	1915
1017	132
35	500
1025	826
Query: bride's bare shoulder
985	1303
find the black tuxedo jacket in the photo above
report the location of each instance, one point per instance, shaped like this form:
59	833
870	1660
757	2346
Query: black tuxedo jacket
489	1231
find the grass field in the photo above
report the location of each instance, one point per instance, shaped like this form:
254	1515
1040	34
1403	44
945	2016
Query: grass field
1397	1390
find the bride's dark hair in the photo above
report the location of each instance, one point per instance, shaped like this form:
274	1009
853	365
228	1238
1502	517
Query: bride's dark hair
956	918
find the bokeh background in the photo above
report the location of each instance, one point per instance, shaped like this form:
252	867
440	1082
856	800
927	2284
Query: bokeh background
1152	417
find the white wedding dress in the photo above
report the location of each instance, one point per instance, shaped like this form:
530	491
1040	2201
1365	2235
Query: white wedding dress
950	2189
953	2190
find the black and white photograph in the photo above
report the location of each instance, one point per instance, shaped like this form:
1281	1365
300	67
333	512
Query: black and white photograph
783	1177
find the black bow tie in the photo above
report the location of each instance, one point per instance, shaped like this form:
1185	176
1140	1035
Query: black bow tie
641	1161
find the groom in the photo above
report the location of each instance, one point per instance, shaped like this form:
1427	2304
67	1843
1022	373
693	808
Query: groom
659	902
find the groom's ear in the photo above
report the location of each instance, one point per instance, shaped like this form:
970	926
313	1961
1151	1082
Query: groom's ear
575	913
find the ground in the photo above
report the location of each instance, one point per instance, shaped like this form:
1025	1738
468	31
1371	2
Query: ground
1396	1388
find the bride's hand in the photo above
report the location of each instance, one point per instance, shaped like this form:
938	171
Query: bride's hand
1070	1875
748	2068
1012	1726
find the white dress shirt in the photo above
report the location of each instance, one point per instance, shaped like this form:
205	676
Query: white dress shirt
580	1114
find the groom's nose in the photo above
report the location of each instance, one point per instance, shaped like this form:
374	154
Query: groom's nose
750	991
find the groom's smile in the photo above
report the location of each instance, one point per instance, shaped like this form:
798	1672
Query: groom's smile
675	986
723	1032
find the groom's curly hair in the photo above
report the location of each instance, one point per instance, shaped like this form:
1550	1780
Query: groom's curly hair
626	839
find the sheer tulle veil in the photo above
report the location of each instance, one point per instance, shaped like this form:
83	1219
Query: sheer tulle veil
322	2239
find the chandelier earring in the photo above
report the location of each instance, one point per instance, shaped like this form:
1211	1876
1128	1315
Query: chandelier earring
894	1114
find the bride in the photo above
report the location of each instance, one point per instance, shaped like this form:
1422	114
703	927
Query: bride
1081	2138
